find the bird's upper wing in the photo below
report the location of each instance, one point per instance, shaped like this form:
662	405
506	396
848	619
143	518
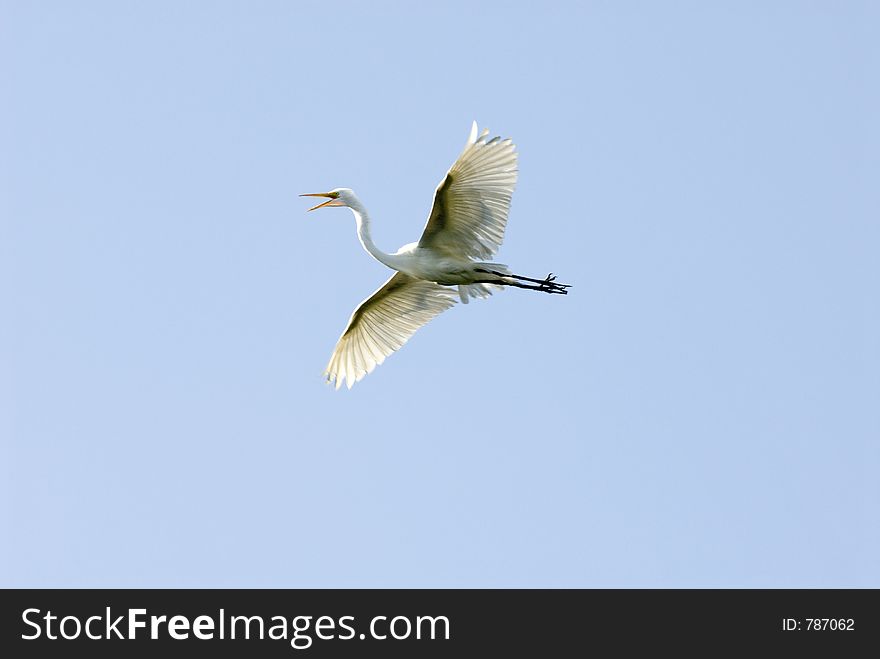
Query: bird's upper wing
471	203
383	323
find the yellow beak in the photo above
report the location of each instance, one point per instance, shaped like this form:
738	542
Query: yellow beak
330	202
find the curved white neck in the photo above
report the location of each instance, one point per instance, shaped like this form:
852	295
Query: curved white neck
363	229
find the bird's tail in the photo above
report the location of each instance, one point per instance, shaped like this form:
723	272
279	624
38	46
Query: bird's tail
496	268
467	291
483	289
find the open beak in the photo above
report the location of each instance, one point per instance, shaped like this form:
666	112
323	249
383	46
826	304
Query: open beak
332	201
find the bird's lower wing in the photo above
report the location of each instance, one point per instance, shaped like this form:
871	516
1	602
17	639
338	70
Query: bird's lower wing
383	323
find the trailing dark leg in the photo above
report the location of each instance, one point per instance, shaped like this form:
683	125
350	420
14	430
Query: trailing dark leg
555	288
548	285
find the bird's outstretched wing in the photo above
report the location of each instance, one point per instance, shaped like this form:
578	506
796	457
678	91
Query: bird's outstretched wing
471	203
383	323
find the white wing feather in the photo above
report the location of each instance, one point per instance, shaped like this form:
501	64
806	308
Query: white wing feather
471	203
383	323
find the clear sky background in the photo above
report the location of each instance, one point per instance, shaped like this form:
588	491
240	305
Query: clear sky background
702	410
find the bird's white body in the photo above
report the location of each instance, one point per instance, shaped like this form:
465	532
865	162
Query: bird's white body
422	263
466	225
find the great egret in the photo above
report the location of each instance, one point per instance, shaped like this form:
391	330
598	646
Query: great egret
465	227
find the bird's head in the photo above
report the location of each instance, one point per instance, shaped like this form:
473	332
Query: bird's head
336	197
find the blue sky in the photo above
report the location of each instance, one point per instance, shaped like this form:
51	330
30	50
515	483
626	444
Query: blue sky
702	410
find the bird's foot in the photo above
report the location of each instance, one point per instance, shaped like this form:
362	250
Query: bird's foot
549	285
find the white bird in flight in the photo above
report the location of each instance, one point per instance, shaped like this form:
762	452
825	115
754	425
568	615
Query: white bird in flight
466	226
